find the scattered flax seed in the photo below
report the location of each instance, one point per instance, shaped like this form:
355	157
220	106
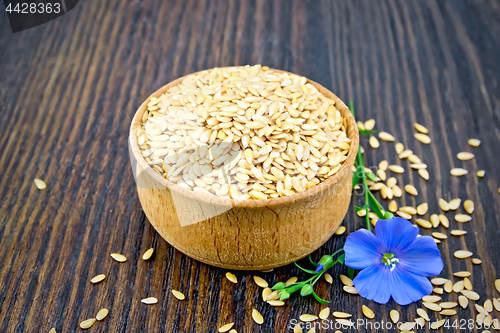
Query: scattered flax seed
103	313
323	314
431	298
458	172
361	213
381	174
383	165
497	285
399	148
231	277
408	210
435	220
477	261
480	309
385	136
457	232
177	294
462	254
291	280
40	184
273	296
421	312
444	221
437	240
53	330
328	278
414	159
397	192
422	138
472	295
260	281
151	300
265	293
462	218
374	142
404	215
361	125
444	205
276	303
418	166
396	168
87	323
454	204
448	312
337	314
437	324
118	257
420	322
469	206
439	235
439	291
391	182
226	327
488	306
345	322
424	174
340	230
405	154
421	128
424	223
422	208
465	156
407	327
410	189
448	286
467	284
480	173
350	290
394	314
345	280
496	304
393	206
308	317
463	301
458	286
369	124
462	274
297	329
439	281
257	317
474	142
368	312
98	278
148	254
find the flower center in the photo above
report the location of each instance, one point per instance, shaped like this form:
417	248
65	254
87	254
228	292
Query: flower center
389	260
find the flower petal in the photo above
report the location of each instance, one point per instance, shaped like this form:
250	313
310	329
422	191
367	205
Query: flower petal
422	257
373	283
407	287
362	249
395	234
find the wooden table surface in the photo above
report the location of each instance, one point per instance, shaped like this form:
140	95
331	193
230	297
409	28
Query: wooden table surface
69	89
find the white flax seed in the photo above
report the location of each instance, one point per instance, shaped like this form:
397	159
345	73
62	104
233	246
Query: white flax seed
150	300
147	255
465	156
177	294
257	317
458	172
118	257
454	204
40	184
226	327
474	142
396	168
374	142
98	278
424	174
394	314
325	313
422	138
385	136
469	206
103	313
231	277
422	129
260	281
368	312
462	254
86	324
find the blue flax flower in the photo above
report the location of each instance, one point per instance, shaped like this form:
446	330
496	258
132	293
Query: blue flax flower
394	262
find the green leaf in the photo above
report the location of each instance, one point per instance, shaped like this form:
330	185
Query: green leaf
306	290
351	107
375	206
362	131
279	285
319	299
341	258
361	208
312	261
294	287
350	272
305	270
371	176
284	295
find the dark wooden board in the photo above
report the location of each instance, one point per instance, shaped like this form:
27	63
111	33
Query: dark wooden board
68	91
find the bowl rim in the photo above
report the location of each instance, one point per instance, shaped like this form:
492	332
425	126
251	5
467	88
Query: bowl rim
352	133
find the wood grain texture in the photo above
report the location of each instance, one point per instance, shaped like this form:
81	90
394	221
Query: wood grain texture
68	92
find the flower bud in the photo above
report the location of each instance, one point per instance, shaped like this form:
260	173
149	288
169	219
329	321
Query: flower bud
307	289
325	263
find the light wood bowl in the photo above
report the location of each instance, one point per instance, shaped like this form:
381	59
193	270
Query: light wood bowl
245	234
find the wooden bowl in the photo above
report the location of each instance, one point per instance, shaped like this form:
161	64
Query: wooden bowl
245	234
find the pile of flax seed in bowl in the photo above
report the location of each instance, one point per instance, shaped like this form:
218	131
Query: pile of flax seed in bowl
244	133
